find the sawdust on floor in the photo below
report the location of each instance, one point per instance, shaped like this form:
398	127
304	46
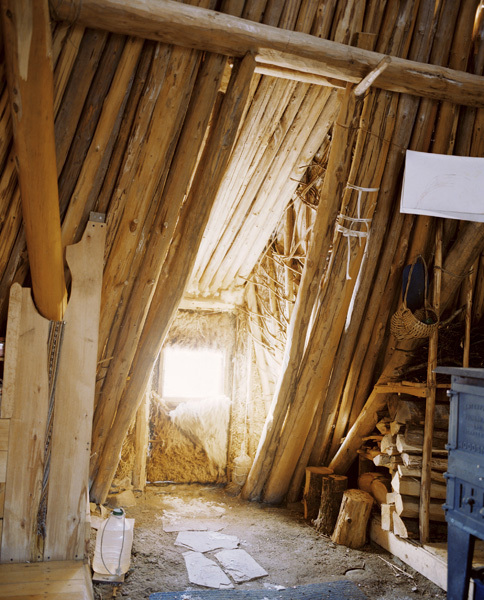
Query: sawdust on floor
279	539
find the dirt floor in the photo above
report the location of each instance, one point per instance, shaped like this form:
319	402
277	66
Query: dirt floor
279	539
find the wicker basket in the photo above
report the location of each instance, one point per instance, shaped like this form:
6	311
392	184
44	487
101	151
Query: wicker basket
408	325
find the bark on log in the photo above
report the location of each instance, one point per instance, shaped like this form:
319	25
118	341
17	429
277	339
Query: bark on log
332	490
353	518
312	490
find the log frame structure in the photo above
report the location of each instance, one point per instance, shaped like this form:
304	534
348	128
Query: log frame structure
229	144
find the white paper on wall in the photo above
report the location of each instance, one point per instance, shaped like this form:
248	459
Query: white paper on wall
440	185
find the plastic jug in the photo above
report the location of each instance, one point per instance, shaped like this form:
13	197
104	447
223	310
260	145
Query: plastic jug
114	539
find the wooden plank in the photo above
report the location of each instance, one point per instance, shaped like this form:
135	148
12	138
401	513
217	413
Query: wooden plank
2	503
418	557
27	432
11	352
28	54
4	430
74	401
176	23
3	465
397	388
43	572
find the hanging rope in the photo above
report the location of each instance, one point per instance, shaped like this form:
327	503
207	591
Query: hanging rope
345	224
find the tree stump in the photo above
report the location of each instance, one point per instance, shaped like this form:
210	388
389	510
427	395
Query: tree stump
332	489
353	518
312	490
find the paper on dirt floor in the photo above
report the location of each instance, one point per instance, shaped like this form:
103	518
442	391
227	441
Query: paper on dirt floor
174	524
240	565
205	572
205	541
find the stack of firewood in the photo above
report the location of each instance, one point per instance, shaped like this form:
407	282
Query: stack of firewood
398	447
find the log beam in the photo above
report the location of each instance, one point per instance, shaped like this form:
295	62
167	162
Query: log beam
203	29
28	49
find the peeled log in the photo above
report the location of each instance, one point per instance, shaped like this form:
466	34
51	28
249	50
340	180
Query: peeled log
353	518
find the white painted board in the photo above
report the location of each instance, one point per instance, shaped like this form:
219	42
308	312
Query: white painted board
441	185
205	572
240	565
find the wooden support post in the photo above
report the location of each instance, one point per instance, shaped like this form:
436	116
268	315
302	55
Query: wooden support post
425	488
141	443
28	49
353	518
332	490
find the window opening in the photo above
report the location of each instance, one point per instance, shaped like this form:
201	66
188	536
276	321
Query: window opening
191	373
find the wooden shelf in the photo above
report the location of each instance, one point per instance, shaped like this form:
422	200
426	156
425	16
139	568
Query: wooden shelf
430	560
407	387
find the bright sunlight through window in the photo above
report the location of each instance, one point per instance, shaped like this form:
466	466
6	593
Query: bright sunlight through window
192	373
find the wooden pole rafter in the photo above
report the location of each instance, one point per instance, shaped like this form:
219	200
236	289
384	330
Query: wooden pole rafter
28	50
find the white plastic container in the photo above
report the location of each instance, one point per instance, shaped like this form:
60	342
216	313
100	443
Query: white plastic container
114	539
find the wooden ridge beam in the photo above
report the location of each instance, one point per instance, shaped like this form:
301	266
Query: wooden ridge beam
176	23
28	49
